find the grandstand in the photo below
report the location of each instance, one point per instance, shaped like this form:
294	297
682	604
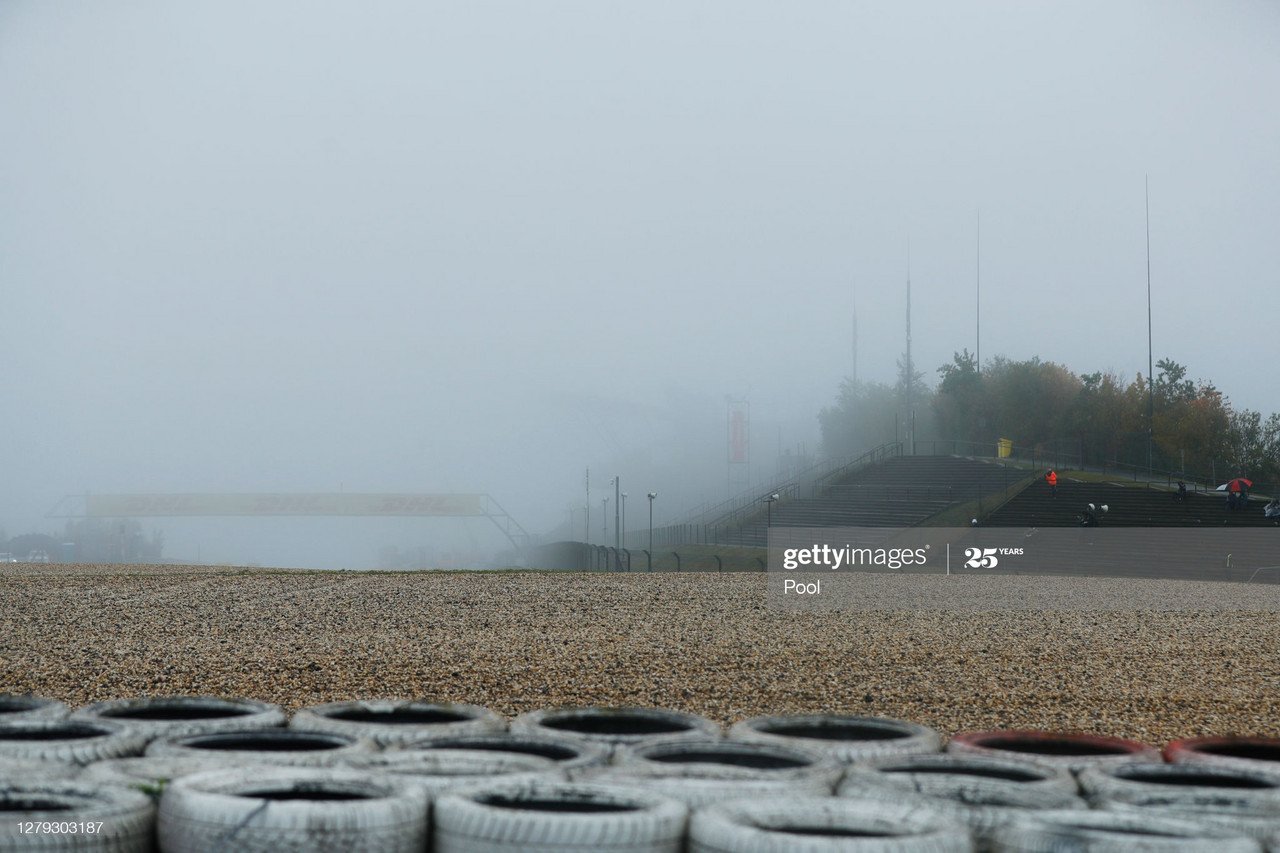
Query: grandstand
1130	505
900	492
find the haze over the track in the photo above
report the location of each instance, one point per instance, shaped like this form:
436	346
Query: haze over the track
479	246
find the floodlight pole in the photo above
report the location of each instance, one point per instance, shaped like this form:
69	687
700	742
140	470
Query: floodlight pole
651	496
1151	364
978	301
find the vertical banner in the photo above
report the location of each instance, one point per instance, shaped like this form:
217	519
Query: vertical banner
739	422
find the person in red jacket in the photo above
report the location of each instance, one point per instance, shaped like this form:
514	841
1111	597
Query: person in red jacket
1052	479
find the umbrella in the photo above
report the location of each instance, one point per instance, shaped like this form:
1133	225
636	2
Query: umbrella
1236	485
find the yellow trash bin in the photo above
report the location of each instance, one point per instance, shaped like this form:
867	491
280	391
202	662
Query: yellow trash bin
1004	448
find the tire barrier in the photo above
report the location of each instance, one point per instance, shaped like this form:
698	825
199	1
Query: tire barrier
292	808
265	746
846	738
701	772
78	817
1059	749
1208	786
1115	832
70	741
615	726
1261	753
553	818
631	779
571	755
441	770
15	706
395	722
811	825
176	716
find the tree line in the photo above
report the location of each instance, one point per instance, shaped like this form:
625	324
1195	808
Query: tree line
1096	417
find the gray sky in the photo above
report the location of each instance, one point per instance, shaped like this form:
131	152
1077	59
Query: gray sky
290	246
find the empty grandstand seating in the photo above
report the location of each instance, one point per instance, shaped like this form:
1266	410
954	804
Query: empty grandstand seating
901	492
1136	505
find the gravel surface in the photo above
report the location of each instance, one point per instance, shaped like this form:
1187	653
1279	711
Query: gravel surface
1156	660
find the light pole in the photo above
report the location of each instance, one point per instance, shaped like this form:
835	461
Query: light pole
769	503
651	496
623	531
604	520
617	512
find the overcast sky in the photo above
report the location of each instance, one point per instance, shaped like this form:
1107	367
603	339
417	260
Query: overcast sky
477	247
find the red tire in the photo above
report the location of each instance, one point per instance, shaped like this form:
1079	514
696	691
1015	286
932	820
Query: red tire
1057	749
1256	753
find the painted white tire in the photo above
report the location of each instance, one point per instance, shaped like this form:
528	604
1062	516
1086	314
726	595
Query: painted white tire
555	818
822	824
701	772
615	726
570	754
68	741
177	716
122	821
1115	832
388	722
14	706
265	746
846	738
442	770
276	809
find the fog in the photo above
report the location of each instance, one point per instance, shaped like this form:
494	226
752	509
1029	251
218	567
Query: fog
481	247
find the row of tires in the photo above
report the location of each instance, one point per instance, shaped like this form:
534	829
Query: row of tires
965	805
846	739
127	775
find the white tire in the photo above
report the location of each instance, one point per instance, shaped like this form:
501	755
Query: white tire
615	726
984	794
961	776
177	716
14	706
265	746
100	818
68	741
821	824
1204	786
555	818
702	772
15	771
1260	823
442	770
149	775
846	738
390	722
1115	832
276	809
570	754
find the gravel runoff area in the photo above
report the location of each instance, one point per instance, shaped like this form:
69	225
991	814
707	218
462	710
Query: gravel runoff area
1146	659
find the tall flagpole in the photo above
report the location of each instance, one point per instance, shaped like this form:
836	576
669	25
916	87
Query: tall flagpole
978	300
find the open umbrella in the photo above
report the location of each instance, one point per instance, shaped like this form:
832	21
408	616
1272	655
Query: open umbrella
1236	485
